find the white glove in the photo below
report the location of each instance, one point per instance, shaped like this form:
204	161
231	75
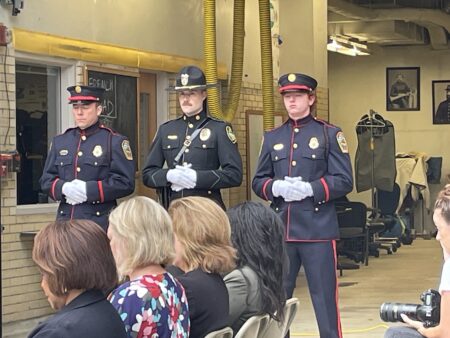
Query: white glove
286	190
74	192
182	177
304	188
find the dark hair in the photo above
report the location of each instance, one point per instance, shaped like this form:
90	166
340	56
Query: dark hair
75	254
443	203
257	234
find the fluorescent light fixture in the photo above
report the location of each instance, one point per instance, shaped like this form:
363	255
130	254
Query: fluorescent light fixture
347	46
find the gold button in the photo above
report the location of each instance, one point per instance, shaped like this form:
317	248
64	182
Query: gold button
209	192
294	163
313	156
191	125
83	137
295	145
203	145
316	209
187	150
80	153
168	147
296	130
95	163
197	117
188	137
78	169
61	163
61	212
184	118
276	158
276	209
98	213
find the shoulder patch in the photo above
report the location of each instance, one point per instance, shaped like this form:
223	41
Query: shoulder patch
230	134
127	150
342	142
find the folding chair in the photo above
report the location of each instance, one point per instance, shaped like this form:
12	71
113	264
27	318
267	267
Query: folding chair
253	327
226	332
276	329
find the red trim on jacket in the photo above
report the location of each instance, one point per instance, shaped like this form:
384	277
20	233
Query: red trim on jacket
100	190
53	188
264	188
327	190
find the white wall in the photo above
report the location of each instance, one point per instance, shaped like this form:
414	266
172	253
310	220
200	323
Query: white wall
358	84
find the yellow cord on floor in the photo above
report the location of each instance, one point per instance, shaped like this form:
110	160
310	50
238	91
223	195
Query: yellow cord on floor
311	334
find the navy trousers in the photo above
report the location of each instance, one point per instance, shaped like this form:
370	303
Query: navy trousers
319	262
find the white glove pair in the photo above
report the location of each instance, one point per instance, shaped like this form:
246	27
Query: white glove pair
75	192
182	177
292	189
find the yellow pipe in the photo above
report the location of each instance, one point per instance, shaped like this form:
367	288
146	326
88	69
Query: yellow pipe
58	46
237	62
266	64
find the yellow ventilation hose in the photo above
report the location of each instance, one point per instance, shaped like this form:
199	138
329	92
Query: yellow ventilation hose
237	62
209	8
266	64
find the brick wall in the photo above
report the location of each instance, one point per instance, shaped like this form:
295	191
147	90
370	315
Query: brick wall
22	296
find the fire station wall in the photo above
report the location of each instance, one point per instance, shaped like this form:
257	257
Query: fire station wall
358	84
171	26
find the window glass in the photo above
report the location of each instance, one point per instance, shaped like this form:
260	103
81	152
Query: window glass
37	97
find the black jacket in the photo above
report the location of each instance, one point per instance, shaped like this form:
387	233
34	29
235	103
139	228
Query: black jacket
89	315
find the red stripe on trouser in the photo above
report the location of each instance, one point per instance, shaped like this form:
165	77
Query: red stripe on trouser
333	243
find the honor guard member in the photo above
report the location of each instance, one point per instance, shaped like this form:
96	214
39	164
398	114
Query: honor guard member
303	166
201	152
89	166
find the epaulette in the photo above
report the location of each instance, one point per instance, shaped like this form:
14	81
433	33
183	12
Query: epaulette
216	119
102	126
325	123
275	128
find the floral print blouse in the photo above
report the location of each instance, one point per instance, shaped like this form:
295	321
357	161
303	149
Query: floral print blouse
153	306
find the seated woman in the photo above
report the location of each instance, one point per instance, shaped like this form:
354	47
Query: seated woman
203	252
152	303
257	233
441	218
77	269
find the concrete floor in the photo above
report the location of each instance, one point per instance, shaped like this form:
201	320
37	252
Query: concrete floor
400	277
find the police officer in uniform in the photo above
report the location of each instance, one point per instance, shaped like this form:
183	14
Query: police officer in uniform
201	152
303	166
89	166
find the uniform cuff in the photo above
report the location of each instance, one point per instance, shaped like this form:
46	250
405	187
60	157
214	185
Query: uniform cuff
94	191
266	191
321	191
56	189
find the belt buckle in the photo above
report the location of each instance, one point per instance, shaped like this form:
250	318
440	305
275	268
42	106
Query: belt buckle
187	143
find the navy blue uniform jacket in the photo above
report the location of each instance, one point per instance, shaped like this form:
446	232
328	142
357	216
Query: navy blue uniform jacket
89	315
316	151
214	155
96	155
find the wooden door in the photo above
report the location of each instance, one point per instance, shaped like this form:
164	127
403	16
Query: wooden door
147	126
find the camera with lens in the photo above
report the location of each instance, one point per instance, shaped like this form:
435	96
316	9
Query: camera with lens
428	312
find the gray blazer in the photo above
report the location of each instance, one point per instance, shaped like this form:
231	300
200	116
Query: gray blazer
244	296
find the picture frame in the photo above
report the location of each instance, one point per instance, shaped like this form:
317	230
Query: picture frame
402	88
441	101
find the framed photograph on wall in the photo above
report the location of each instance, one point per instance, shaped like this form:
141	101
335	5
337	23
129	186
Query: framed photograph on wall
441	101
402	88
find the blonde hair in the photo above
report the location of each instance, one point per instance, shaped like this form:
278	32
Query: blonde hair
145	231
203	228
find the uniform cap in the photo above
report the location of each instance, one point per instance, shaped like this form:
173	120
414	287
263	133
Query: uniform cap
189	78
85	94
295	82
